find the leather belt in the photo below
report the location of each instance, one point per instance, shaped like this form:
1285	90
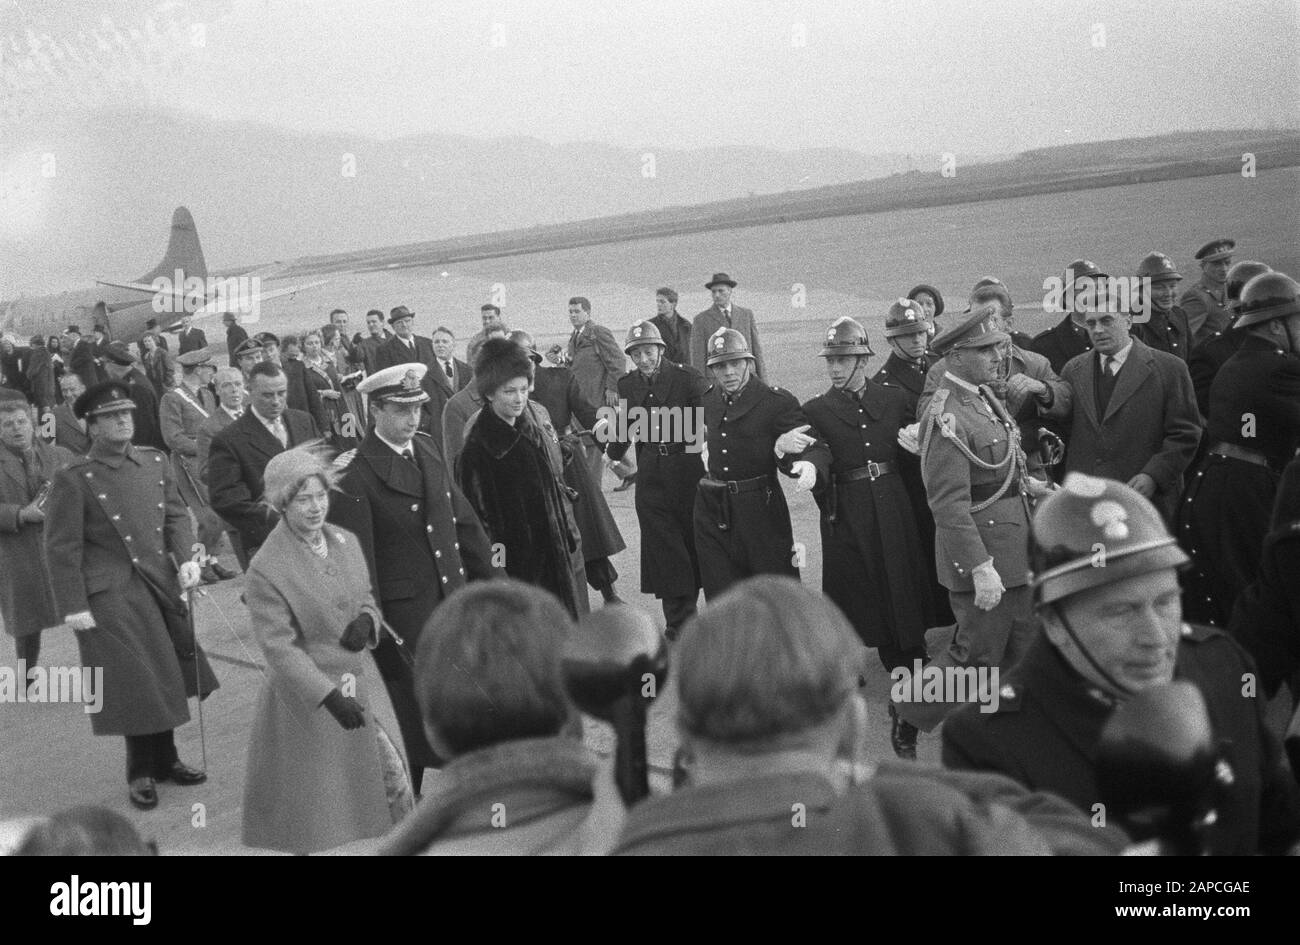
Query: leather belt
987	490
665	449
872	471
735	486
1233	451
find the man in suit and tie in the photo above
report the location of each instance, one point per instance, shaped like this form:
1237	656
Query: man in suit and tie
303	394
421	539
673	328
241	451
69	430
1132	412
722	314
448	376
405	347
182	411
594	356
232	397
190	339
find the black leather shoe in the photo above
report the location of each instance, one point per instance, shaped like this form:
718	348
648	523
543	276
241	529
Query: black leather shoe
181	773
224	572
627	483
143	793
902	735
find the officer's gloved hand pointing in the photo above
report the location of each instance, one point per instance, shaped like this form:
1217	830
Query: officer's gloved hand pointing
807	474
346	710
988	585
794	441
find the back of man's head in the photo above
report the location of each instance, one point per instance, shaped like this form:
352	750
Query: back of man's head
487	668
767	660
84	831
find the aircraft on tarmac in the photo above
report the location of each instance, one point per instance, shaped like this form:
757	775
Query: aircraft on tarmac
178	285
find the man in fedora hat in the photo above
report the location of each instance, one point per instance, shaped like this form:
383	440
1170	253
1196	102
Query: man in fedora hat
1205	301
722	314
405	347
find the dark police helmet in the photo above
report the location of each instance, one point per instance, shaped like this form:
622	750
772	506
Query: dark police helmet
1267	296
1096	531
1241	273
846	337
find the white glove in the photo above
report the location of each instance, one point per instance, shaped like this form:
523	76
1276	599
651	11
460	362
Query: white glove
988	585
794	441
189	575
80	621
1039	487
907	438
807	474
344	459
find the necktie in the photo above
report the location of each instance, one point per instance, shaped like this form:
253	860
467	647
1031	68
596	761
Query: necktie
726	315
1109	366
408	455
446	366
281	433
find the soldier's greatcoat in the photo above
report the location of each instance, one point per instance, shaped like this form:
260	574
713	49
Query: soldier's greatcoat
25	600
1206	307
181	414
115	531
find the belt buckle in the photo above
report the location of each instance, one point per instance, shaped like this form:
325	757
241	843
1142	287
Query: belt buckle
733	486
873	471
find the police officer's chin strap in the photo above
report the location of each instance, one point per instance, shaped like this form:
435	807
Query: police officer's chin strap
1110	680
858	378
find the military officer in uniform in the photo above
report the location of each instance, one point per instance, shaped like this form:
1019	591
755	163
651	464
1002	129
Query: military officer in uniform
420	538
121	364
1069	337
742	522
181	413
1108	633
1253	432
873	560
1161	324
908	329
1212	353
669	471
117	547
978	488
1206	300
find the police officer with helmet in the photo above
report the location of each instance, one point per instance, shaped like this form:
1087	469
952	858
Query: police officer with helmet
1105	634
873	560
669	469
742	522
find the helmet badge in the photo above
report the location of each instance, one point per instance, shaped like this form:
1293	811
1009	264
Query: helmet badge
1110	518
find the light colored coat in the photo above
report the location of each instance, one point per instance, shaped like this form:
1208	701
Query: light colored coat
311	784
596	361
25	599
180	414
709	321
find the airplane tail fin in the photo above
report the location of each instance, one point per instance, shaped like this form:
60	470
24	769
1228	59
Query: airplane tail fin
183	251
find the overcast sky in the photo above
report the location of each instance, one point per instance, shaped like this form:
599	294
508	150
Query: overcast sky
874	75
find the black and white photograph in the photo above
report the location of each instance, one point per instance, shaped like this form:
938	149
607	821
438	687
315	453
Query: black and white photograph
690	427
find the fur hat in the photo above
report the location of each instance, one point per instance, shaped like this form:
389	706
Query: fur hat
287	471
500	361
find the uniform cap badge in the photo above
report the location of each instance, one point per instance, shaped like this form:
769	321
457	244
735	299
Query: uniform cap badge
1110	517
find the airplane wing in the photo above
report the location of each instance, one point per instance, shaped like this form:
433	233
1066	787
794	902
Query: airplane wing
133	286
239	302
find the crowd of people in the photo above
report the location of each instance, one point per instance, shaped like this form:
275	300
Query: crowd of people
1059	505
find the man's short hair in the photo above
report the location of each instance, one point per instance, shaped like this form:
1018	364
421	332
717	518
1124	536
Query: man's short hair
264	369
489	307
769	658
487	666
11	399
578	300
444	330
85	831
337	311
669	294
227	375
375	311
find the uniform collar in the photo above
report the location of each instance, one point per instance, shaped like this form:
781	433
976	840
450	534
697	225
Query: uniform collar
111	459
